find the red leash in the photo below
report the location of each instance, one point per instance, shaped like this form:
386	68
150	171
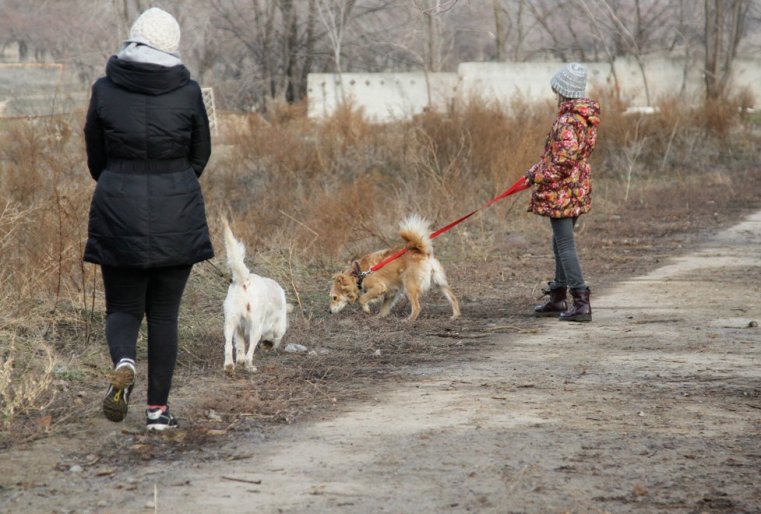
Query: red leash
520	185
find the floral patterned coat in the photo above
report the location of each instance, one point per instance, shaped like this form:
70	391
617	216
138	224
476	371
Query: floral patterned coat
562	177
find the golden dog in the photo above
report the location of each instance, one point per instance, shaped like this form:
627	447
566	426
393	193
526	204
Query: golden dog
411	274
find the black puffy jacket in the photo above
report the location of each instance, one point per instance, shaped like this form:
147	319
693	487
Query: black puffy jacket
147	138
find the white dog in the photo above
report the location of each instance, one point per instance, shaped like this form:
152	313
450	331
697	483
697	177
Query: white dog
255	308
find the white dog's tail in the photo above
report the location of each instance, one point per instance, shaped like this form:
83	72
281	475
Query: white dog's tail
236	252
415	230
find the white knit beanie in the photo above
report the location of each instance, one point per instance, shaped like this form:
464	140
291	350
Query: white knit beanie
571	81
157	29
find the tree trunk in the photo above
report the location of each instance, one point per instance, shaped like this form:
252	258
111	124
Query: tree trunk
432	44
519	30
265	22
499	41
308	48
290	43
128	11
23	50
722	37
713	15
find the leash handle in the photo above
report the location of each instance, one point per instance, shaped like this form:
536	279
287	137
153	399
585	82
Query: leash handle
519	185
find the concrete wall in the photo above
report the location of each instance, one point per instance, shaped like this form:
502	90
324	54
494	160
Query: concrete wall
393	96
35	89
747	74
382	96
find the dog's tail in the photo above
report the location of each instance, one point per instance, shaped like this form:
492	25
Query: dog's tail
415	230
236	252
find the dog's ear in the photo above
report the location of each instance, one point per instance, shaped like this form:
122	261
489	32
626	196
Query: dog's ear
356	268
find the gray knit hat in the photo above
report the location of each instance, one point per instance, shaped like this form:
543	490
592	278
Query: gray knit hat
571	81
157	29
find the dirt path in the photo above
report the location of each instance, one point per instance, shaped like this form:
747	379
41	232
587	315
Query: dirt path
653	407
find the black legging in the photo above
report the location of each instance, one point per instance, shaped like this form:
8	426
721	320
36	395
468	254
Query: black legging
131	293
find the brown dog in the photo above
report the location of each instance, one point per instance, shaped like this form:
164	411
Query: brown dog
412	274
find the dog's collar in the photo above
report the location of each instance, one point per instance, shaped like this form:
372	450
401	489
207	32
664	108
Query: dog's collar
358	276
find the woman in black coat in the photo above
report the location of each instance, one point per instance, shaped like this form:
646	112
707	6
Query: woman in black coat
147	139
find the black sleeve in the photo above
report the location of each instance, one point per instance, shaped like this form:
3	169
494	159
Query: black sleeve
94	139
200	140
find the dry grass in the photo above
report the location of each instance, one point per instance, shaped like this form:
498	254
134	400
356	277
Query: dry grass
305	197
24	385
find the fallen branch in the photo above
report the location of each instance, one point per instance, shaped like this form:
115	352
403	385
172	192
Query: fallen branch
233	479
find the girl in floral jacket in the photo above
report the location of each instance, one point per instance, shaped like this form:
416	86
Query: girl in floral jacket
563	189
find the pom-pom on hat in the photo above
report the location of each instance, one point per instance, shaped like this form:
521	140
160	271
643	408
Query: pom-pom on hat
157	29
571	81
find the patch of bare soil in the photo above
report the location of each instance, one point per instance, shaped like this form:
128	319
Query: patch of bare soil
652	407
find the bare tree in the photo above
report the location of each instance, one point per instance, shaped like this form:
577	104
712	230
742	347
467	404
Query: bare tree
510	27
544	16
627	41
724	27
434	7
431	9
499	42
334	15
432	51
255	50
277	37
127	11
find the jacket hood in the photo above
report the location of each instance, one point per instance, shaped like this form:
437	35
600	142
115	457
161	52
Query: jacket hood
585	107
146	78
